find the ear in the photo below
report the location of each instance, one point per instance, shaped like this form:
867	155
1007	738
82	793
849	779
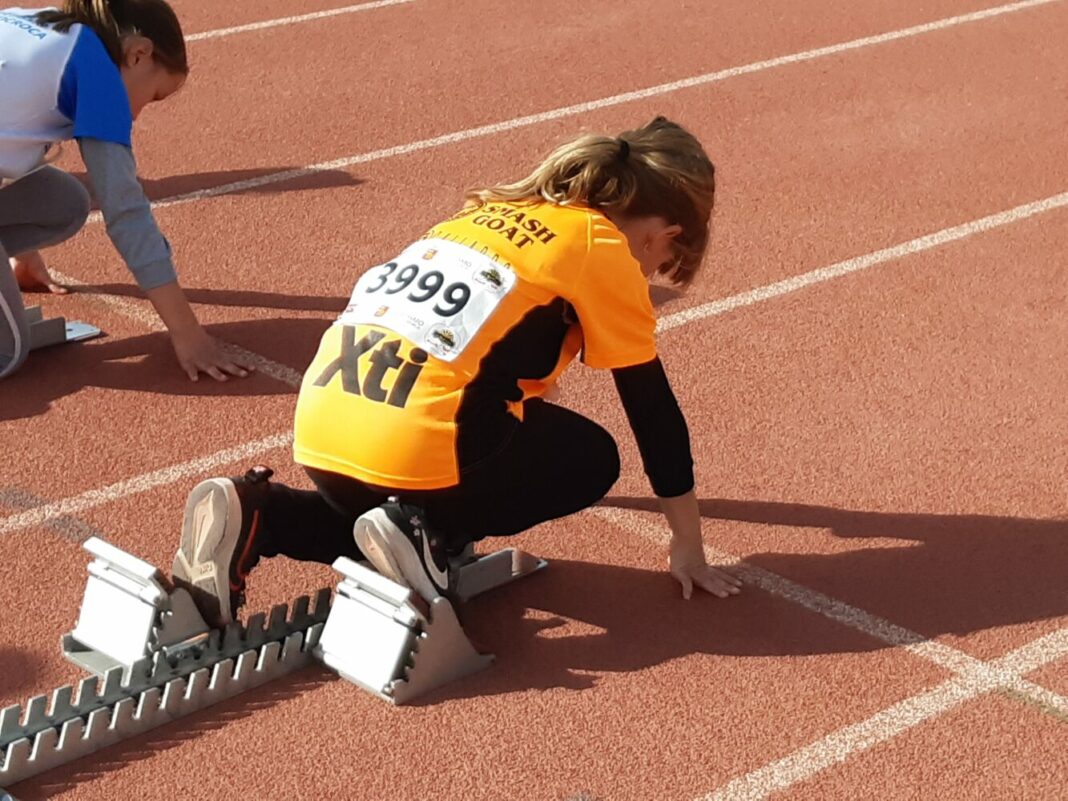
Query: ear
136	49
672	231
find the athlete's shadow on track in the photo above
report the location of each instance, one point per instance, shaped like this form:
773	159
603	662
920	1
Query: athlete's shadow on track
17	672
173	185
240	298
146	363
954	575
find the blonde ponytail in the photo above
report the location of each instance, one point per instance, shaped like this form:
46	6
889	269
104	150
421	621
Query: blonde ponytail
657	170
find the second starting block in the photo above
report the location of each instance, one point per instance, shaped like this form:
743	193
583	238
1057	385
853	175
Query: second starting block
45	332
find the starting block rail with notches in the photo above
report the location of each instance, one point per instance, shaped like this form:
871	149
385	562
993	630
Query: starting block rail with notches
154	659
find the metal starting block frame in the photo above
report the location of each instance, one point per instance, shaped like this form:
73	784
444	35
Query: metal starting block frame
154	659
56	330
160	663
379	638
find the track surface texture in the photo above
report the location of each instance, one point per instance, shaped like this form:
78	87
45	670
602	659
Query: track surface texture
873	363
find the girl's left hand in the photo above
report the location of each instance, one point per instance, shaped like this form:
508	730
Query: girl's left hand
32	274
690	570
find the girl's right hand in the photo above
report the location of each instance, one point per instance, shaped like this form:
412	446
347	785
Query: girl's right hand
199	352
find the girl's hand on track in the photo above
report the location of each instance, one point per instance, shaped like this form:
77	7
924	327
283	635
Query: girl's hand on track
31	273
689	569
199	352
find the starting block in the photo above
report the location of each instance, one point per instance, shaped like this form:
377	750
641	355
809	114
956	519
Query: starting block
378	637
56	330
127	614
154	661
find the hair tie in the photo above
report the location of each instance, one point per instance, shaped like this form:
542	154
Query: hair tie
624	150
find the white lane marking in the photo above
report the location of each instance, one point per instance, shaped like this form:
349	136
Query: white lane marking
294	20
974	676
592	105
143	314
845	614
838	746
917	245
143	483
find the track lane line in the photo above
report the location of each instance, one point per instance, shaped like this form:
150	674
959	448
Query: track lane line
141	313
838	746
945	656
974	677
142	483
592	105
218	33
917	245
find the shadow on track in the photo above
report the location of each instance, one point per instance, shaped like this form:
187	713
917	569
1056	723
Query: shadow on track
17	673
147	364
161	188
239	298
956	575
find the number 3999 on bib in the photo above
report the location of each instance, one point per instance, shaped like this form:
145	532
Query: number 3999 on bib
436	294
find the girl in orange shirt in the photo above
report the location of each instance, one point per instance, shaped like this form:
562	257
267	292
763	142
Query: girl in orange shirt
424	419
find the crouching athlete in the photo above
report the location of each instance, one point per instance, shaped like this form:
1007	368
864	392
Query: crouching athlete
422	420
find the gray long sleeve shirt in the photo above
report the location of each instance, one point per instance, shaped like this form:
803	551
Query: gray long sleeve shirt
127	214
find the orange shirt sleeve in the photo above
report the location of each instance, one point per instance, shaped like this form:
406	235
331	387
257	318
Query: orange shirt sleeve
611	299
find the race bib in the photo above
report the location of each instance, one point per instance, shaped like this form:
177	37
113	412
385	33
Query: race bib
437	294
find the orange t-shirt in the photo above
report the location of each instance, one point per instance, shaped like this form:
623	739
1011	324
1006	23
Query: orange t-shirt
425	371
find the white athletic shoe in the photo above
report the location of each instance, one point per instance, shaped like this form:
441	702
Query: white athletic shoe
397	541
218	549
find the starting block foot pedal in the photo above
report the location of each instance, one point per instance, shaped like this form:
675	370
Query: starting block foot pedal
128	615
378	636
56	330
479	574
156	661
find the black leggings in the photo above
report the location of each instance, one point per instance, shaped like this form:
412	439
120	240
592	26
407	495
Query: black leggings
556	463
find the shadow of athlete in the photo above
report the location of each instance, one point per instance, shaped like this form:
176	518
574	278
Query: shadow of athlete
956	575
144	364
245	298
960	574
17	675
220	181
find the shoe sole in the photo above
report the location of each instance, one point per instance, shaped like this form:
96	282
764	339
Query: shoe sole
392	554
210	530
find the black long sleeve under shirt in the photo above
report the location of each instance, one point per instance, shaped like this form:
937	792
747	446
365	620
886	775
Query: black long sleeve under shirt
659	427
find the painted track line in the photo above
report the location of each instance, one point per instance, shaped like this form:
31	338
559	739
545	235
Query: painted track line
964	665
142	483
704	311
838	746
973	678
954	234
277	23
142	313
592	105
